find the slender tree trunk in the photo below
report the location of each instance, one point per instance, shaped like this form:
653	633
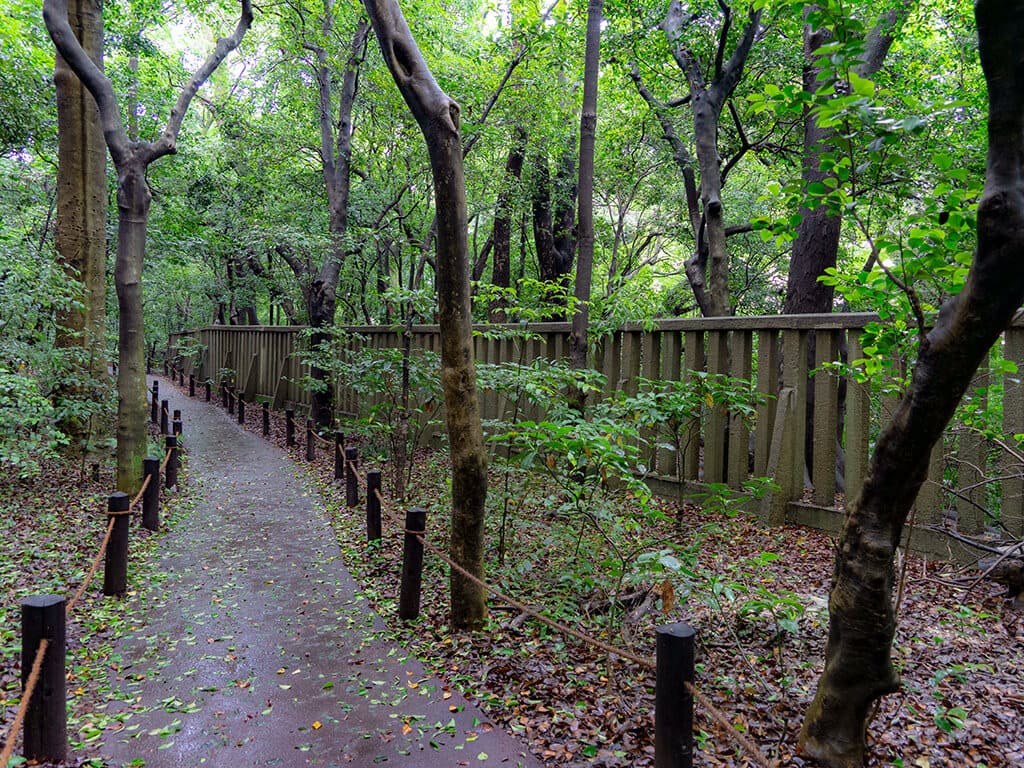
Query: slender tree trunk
858	656
588	135
81	222
438	118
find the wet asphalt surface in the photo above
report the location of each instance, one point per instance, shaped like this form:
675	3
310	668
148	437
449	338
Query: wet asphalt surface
257	650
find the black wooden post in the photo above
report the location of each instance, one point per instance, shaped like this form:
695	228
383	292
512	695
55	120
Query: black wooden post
181	377
289	427
164	414
224	394
241	408
149	365
165	366
208	390
373	532
151	497
115	573
191	385
231	401
310	444
171	471
412	565
339	455
265	407
46	724
176	423
673	702
154	412
351	483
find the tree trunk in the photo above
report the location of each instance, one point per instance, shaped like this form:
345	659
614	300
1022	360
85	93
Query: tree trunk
133	199
131	159
708	269
336	151
858	663
585	256
438	118
80	234
501	239
816	246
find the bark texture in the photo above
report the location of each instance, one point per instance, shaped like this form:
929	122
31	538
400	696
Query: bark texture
80	235
131	159
858	663
438	117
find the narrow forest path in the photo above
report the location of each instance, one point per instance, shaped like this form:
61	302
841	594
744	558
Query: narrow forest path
258	650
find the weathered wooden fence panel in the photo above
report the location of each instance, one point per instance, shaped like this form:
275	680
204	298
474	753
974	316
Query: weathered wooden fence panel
717	447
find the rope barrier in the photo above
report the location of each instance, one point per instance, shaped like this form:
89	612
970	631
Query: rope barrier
142	490
37	663
167	457
30	687
748	746
92	569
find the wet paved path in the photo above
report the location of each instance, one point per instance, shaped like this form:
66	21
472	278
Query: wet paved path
257	650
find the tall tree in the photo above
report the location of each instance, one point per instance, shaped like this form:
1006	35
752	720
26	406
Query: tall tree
80	234
708	269
816	246
588	137
131	160
320	288
858	654
438	117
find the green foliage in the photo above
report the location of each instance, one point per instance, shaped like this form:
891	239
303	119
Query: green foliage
28	431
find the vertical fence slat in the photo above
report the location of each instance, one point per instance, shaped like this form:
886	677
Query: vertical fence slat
740	367
794	375
714	432
768	385
858	422
693	362
826	412
668	463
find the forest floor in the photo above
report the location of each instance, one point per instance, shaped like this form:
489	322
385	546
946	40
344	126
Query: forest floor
757	597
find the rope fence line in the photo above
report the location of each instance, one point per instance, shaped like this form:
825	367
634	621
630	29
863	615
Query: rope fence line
44	643
745	743
26	697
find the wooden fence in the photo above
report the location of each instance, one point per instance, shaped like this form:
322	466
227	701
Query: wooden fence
772	350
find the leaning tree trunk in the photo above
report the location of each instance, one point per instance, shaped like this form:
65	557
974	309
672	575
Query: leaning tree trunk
438	118
858	663
80	234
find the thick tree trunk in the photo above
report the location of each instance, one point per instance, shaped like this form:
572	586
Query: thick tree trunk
858	663
133	199
553	216
438	118
81	224
588	136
